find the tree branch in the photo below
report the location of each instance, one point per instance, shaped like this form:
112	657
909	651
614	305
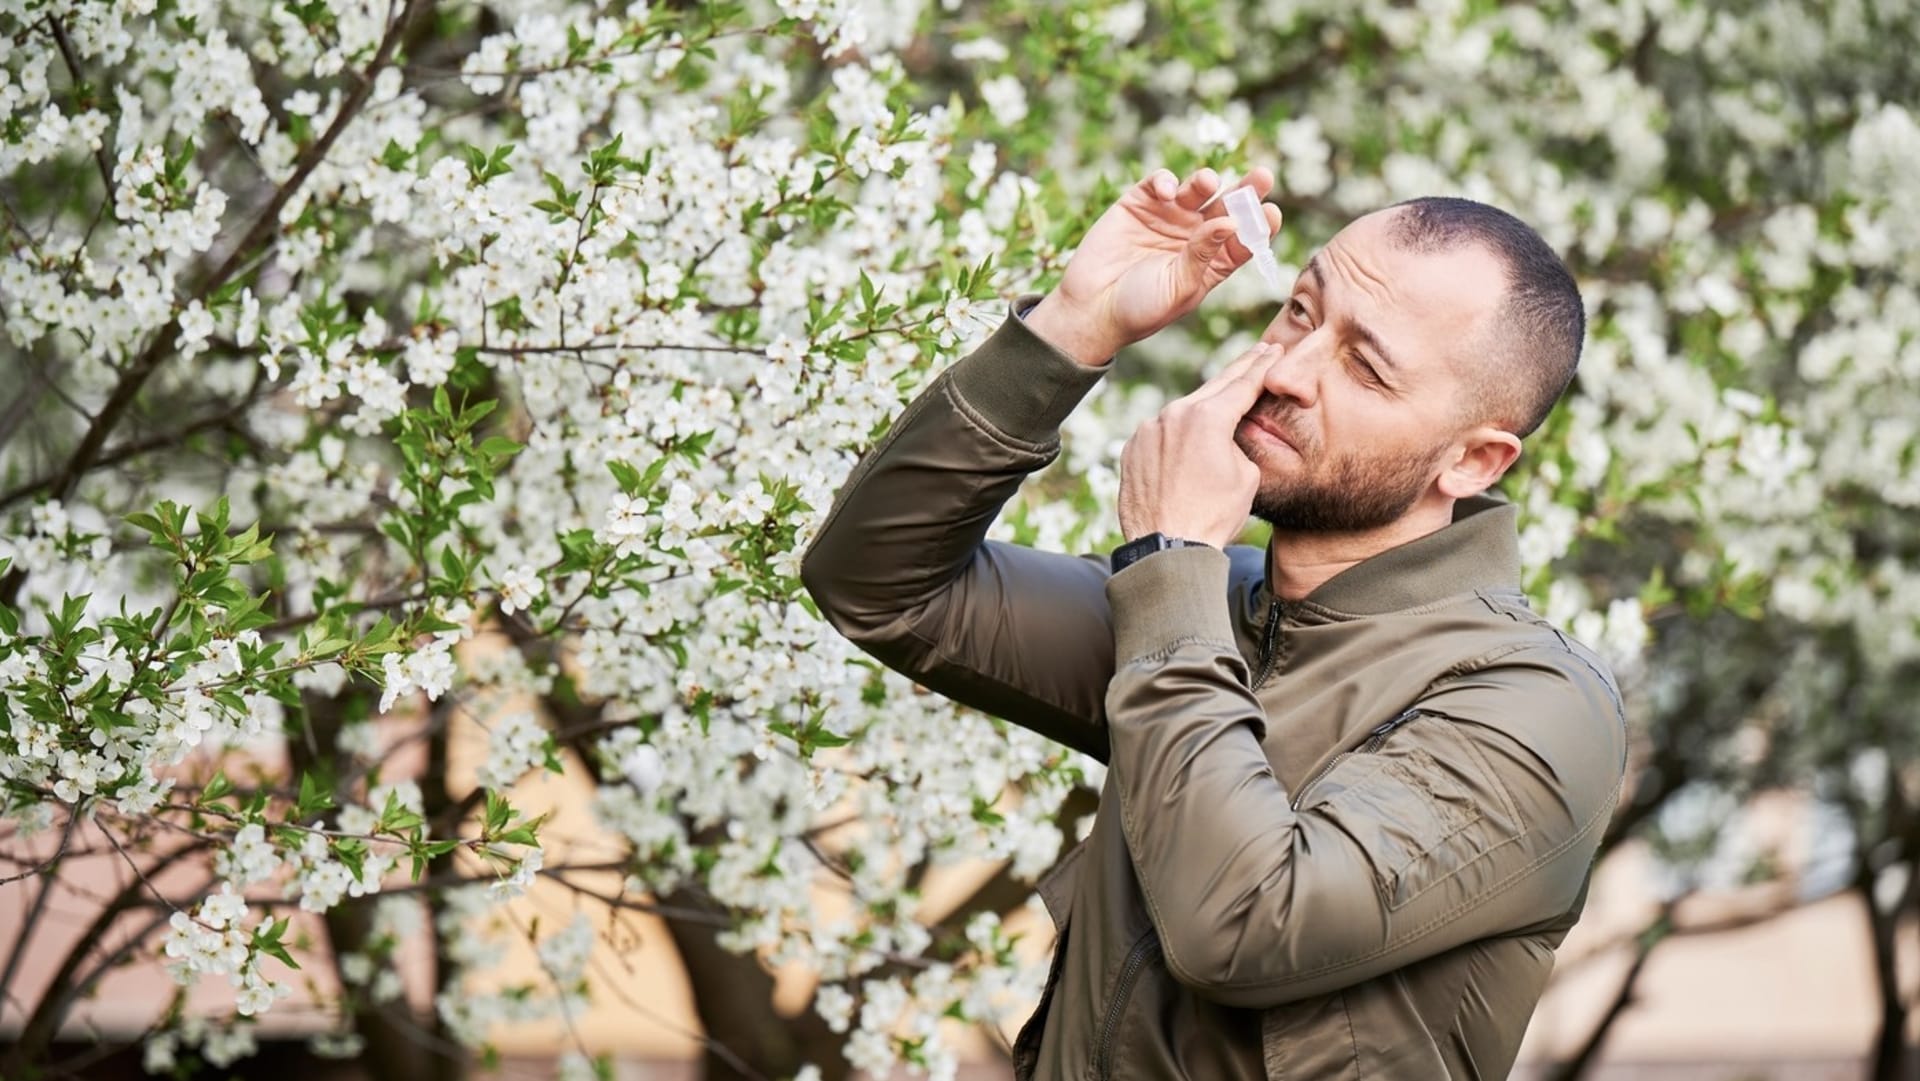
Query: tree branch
66	836
1652	936
37	1035
72	59
25	937
226	418
86	455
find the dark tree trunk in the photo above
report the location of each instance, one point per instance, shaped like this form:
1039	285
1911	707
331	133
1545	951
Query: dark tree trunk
746	1039
442	810
399	1046
1890	1058
1589	1052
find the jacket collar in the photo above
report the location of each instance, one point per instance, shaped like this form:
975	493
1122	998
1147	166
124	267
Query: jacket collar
1480	551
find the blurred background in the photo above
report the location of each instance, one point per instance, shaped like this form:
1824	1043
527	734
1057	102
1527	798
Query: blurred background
1727	503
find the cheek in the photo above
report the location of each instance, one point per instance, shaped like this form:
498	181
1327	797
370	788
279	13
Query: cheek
1358	422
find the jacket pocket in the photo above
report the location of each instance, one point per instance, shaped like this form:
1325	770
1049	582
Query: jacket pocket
1423	824
1381	1029
1310	1040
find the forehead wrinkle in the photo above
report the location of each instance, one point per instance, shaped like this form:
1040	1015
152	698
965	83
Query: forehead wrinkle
1367	281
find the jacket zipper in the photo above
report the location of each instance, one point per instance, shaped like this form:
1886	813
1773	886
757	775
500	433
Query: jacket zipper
1144	949
1270	639
1379	733
1374	739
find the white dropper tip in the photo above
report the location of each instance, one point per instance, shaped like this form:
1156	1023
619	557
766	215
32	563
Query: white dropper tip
1250	225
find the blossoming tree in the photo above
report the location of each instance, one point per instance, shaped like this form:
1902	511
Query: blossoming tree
379	369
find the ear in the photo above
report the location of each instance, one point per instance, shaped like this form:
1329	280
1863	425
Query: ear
1480	459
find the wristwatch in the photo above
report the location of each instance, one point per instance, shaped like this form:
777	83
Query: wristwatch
1140	548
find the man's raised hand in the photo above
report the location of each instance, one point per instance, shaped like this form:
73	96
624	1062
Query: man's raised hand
1150	259
1182	474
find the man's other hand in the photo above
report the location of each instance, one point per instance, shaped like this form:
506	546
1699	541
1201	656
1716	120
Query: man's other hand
1150	259
1181	473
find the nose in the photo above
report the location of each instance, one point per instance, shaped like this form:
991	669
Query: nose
1294	375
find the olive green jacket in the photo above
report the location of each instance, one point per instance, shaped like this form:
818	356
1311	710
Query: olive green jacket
1339	837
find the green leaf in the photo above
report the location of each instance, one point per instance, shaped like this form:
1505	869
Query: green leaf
396	157
395	817
218	785
267	940
314	797
326	647
627	477
142	520
227	594
499	812
214	526
821	737
353	852
984	813
477	412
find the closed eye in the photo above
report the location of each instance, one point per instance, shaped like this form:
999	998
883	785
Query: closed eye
1366	372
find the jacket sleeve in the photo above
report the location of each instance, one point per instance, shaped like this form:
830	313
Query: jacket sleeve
1478	815
902	567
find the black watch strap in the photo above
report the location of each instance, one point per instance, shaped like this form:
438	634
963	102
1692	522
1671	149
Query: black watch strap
1141	547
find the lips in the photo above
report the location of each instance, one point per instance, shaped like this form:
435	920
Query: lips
1273	430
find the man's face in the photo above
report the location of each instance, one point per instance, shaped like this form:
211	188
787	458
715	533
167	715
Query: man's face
1365	407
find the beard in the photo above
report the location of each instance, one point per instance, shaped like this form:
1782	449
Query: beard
1348	493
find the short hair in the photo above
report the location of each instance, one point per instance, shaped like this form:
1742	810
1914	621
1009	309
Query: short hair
1536	347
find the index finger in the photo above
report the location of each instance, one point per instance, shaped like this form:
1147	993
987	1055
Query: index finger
1242	378
1259	178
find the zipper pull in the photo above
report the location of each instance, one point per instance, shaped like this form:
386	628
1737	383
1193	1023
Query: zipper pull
1388	726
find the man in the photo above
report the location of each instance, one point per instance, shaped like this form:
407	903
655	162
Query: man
1354	785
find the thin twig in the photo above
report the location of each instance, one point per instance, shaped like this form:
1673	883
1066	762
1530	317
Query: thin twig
376	604
598	347
138	873
566	1014
66	835
621	901
60	38
225	418
32	1039
111	960
25	936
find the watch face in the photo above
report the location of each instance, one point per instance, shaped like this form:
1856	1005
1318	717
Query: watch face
1134	550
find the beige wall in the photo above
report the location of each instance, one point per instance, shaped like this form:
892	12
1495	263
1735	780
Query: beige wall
1796	986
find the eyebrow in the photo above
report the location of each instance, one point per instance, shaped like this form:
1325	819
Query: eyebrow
1348	323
